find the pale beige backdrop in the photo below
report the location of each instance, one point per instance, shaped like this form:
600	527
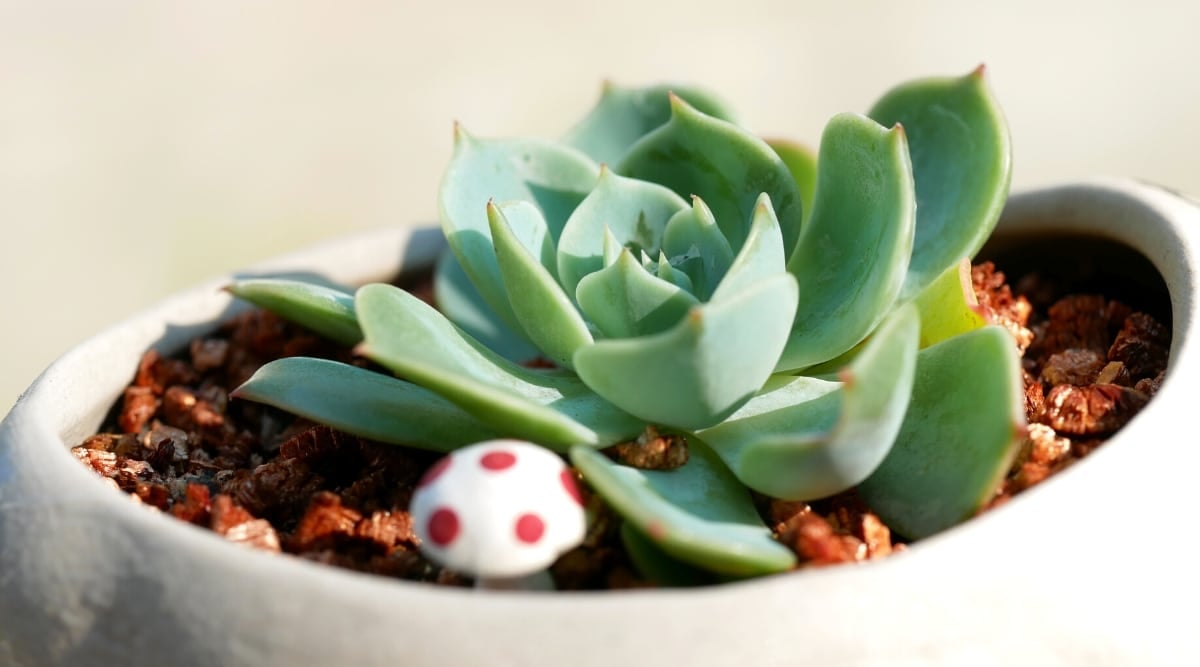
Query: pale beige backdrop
145	146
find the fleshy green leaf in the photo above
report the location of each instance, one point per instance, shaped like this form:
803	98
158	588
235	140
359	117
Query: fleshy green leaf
761	256
325	310
701	370
528	231
666	271
695	244
829	369
461	303
363	402
623	300
695	154
624	115
634	212
550	176
697	513
545	312
612	247
962	164
948	305
853	253
656	565
958	439
804	440
801	161
416	342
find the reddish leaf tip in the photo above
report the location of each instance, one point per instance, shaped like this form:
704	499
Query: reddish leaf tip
847	377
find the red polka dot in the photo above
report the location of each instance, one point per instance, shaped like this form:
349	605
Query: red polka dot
530	528
442	527
568	482
498	460
435	471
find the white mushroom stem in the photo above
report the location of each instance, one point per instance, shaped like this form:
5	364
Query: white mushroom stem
538	581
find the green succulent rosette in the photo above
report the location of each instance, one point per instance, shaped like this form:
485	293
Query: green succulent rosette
675	270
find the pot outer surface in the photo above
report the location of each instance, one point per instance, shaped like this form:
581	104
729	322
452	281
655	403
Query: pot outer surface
1094	568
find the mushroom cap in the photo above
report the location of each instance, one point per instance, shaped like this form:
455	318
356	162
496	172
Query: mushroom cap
497	509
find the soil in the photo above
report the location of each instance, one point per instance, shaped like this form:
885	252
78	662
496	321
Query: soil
176	442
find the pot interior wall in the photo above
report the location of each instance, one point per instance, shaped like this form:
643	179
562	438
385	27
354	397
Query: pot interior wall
1082	264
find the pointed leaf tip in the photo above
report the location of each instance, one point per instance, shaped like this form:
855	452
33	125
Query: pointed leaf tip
695	153
961	162
623	115
979	72
847	377
763	205
541	307
678	104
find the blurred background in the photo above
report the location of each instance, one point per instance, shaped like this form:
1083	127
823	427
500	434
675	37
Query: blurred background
145	146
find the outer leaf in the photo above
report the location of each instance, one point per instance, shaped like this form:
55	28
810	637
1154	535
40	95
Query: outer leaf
419	344
553	177
698	513
634	212
802	162
695	244
830	369
962	162
695	154
540	305
654	564
624	300
962	429
853	253
461	303
325	310
364	403
624	115
703	369
803	441
948	305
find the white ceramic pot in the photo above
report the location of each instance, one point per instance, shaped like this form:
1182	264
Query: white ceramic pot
1096	567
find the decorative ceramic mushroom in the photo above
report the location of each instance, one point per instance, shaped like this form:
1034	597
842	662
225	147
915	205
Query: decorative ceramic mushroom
501	510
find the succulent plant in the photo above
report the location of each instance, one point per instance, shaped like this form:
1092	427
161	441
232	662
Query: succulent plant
806	320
